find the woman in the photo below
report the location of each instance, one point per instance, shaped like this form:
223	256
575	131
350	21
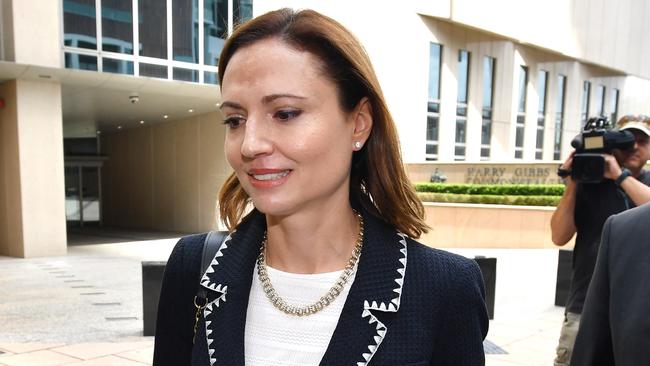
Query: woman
323	269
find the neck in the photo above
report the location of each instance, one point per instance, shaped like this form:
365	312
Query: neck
312	242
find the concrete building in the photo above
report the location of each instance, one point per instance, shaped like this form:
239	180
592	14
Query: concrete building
108	108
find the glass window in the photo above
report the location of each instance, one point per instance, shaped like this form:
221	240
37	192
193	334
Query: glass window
488	81
463	75
186	74
461	104
488	96
433	106
215	28
519	137
210	77
242	11
117	26
117	66
154	71
600	100
523	80
152	28
81	62
521	113
432	127
460	130
433	102
486	135
542	81
459	152
559	116
614	107
435	58
584	108
185	29
79	24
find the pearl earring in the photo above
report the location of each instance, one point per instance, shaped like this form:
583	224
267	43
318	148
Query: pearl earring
357	145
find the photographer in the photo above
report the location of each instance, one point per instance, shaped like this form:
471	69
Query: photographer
585	207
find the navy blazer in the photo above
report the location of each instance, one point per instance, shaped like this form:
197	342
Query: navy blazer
409	304
615	322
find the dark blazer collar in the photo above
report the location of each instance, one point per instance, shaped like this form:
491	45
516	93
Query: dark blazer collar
377	288
229	278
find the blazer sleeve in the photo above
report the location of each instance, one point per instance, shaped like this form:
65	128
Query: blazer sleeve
466	320
594	341
175	318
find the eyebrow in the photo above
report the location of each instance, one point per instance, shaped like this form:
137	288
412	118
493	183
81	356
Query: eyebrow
266	100
269	98
231	105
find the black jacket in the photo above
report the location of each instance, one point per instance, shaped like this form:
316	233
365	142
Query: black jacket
615	321
408	305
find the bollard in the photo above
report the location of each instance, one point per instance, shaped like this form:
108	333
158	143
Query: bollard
152	275
564	275
488	268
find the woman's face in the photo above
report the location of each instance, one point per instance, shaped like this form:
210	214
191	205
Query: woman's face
287	139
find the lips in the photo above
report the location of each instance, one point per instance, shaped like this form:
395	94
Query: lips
268	177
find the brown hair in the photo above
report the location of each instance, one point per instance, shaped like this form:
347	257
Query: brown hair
378	182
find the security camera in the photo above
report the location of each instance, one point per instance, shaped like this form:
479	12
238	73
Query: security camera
134	98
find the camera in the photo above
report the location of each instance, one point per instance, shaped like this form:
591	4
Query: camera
597	138
134	98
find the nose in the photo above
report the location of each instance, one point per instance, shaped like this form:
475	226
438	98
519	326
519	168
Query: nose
257	140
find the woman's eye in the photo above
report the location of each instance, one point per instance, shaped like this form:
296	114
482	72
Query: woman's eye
233	122
287	114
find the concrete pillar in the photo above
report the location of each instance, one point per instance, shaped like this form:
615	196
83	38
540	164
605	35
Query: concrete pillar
31	32
32	190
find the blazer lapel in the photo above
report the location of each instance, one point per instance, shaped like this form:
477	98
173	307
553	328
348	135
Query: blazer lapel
375	292
228	280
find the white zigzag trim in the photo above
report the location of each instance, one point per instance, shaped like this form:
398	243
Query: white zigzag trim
204	279
210	307
381	333
393	306
207	311
401	272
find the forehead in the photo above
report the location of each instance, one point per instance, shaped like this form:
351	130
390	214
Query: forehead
272	54
271	65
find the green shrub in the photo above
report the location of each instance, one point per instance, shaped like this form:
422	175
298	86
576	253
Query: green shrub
493	189
537	200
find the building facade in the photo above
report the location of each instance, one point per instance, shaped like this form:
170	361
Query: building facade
109	108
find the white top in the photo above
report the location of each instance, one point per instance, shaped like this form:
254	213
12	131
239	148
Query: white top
274	338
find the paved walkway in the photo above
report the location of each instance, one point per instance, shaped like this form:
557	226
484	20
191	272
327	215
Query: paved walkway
85	308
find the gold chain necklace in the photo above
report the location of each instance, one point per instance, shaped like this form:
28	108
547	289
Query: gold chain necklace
326	299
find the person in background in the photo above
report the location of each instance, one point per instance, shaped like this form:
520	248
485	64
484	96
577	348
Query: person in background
320	266
615	324
585	207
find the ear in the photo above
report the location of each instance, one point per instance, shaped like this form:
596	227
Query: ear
362	119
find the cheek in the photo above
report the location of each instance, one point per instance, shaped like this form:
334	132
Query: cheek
327	147
232	151
645	151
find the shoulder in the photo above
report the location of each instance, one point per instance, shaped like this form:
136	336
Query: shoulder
634	218
187	251
451	287
449	269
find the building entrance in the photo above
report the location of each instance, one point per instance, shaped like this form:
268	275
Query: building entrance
83	193
83	175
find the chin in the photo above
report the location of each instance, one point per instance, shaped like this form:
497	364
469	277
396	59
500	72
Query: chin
272	208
